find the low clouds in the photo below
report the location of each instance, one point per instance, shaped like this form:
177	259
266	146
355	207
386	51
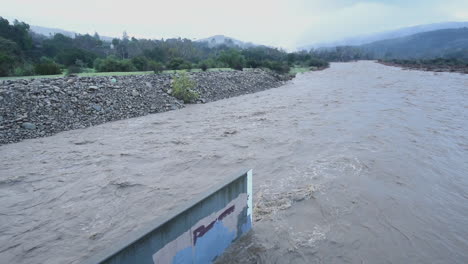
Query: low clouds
285	24
370	17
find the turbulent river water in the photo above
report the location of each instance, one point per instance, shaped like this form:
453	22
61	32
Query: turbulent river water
359	163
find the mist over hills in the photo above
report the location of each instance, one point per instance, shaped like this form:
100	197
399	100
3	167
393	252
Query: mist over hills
46	31
371	42
392	34
212	41
30	50
224	40
51	31
448	43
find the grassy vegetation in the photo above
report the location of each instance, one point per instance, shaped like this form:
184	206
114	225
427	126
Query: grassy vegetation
84	74
183	88
199	70
92	73
298	69
30	77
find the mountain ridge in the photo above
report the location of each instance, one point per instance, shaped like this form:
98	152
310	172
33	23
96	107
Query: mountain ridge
217	40
48	31
389	34
452	43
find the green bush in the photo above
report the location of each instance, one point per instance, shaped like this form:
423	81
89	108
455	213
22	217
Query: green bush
175	64
182	88
112	64
6	64
233	58
24	70
315	62
141	63
238	67
108	64
73	69
203	66
278	67
127	66
47	68
186	66
156	67
69	57
212	63
251	63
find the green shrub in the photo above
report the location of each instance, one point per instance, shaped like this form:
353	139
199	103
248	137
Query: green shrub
73	69
69	57
156	67
203	66
212	63
251	63
10	54
238	67
24	70
315	62
175	64
127	66
6	64
278	67
112	64
182	88
47	68
108	64
186	66
233	58
141	63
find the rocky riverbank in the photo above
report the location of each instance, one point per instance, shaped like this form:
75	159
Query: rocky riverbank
429	67
42	107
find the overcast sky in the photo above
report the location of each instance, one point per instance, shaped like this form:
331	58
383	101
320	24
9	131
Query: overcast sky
287	24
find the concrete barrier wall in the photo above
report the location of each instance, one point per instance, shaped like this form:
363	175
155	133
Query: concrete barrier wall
195	233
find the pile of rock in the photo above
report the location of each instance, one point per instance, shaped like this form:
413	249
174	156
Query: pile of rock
214	86
41	107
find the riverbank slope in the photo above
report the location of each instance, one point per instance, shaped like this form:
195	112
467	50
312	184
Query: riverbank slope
31	108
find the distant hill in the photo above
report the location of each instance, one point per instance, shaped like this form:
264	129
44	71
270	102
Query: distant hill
432	44
52	31
221	39
398	33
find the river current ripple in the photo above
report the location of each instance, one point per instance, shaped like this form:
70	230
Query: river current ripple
358	163
387	166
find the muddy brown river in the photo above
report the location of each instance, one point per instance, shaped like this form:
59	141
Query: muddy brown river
359	163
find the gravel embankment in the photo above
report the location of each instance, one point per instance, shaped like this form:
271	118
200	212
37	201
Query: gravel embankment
42	107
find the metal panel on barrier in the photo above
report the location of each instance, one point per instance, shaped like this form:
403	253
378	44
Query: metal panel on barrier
196	233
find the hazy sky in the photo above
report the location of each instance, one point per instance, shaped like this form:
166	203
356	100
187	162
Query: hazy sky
288	23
